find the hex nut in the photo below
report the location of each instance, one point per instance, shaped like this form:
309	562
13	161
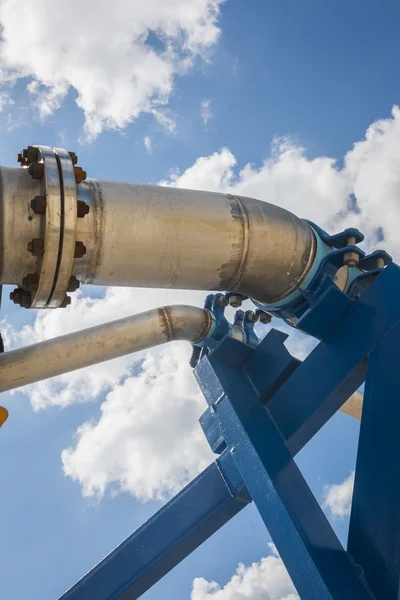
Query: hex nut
264	317
82	209
235	300
252	317
74	158
66	302
74	284
36	170
80	250
38	205
80	174
36	247
30	282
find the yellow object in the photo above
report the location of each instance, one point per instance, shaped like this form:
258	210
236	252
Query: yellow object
3	415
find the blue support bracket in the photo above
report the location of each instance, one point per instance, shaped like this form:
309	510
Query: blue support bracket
319	566
184	523
374	534
264	406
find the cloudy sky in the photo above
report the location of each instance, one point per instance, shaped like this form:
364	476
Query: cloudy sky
293	102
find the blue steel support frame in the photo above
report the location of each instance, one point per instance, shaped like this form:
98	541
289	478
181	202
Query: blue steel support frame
264	406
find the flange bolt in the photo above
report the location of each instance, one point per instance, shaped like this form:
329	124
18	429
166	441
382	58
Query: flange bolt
66	302
38	205
36	247
74	284
264	317
36	170
80	250
80	174
82	208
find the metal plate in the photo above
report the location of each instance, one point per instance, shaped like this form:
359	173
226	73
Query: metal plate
47	265
68	231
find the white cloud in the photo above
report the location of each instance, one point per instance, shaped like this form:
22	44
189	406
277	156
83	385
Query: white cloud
206	112
265	580
118	61
147	440
148	144
337	497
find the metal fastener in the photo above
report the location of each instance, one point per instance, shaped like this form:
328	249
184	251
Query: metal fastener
380	263
74	284
80	174
66	302
351	259
264	317
36	247
38	205
74	158
252	317
235	300
80	250
30	282
36	170
82	208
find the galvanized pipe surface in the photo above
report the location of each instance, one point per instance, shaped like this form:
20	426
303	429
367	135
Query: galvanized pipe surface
163	237
103	342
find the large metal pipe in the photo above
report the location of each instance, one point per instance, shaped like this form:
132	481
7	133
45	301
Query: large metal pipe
142	235
103	342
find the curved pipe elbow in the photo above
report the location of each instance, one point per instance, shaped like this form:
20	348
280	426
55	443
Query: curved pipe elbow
101	343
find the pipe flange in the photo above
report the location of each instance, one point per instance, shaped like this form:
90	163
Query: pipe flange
59	210
47	265
68	228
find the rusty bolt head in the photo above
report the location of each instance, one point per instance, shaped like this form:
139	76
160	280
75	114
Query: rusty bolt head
28	155
74	158
82	208
15	296
264	317
80	174
80	250
26	299
235	300
30	282
66	302
21	297
38	205
73	284
36	170
36	247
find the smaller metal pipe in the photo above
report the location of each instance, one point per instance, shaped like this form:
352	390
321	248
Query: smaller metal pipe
103	342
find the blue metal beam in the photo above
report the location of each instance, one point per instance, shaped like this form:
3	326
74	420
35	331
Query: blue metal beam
374	534
337	366
317	563
184	523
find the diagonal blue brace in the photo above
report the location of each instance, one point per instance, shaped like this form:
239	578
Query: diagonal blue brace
319	566
374	535
184	523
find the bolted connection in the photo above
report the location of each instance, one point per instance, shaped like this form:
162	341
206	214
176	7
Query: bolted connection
36	247
264	317
74	158
21	297
351	259
30	282
80	174
36	170
38	205
66	302
235	300
82	208
28	155
74	284
80	250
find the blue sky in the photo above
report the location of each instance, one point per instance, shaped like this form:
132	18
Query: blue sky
314	73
